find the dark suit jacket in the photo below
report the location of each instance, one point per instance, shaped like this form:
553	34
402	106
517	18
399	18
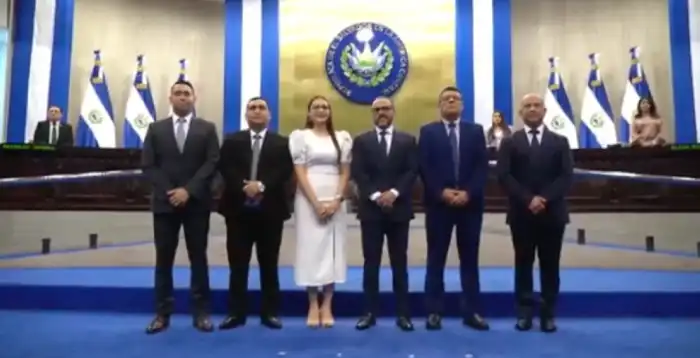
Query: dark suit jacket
275	170
42	134
374	171
436	164
193	169
525	173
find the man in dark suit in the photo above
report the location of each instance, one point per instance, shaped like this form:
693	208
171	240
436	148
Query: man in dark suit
257	168
52	131
384	168
454	168
535	168
179	158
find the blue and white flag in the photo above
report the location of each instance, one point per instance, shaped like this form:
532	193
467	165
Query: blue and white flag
140	109
182	76
559	117
597	125
636	88
96	122
41	40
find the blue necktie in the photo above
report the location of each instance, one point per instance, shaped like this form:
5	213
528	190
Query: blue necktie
454	144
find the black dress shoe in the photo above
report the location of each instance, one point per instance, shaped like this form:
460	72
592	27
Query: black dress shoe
159	324
365	322
476	322
547	325
203	324
231	322
434	322
523	324
271	322
404	323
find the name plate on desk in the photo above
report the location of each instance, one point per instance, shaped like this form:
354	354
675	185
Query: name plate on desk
26	147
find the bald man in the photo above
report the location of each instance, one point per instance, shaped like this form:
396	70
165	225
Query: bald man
535	168
385	167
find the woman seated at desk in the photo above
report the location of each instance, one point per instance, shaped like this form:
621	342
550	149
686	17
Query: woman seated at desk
499	130
646	125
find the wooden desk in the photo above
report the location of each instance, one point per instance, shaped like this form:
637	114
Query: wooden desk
588	195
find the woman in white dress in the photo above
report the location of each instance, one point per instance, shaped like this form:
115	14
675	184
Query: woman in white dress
322	165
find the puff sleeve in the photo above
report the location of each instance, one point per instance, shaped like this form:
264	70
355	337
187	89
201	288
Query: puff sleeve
345	142
297	147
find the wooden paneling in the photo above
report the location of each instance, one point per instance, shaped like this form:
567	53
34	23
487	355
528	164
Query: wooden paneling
131	194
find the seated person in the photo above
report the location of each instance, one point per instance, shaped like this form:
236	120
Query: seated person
52	131
646	125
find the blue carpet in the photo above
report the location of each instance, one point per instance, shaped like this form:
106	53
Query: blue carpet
585	292
83	335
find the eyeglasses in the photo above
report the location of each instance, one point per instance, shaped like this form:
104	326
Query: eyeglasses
320	107
383	108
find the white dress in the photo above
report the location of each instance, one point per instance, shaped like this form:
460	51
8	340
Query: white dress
320	251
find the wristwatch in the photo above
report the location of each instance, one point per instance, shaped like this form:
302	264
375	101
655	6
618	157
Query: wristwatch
262	187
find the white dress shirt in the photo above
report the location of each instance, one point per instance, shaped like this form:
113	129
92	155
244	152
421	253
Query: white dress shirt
388	136
539	129
262	134
188	121
54	126
447	127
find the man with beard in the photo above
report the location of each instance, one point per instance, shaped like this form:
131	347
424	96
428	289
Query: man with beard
535	167
384	168
179	158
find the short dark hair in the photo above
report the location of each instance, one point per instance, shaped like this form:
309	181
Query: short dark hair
184	83
256	98
448	89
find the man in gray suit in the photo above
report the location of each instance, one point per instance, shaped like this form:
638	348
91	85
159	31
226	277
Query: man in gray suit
179	158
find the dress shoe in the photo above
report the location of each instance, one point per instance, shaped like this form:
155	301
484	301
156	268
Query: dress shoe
365	322
476	322
523	324
231	322
434	322
271	322
202	323
404	323
547	325
158	324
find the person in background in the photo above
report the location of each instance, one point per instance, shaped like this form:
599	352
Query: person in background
499	129
321	158
52	131
453	167
535	168
646	125
179	158
384	168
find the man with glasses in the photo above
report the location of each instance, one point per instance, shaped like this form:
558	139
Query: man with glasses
256	167
384	168
454	169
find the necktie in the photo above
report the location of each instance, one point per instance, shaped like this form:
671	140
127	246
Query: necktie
383	145
256	157
53	137
454	144
534	142
180	135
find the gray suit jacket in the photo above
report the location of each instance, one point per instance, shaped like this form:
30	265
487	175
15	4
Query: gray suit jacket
193	169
